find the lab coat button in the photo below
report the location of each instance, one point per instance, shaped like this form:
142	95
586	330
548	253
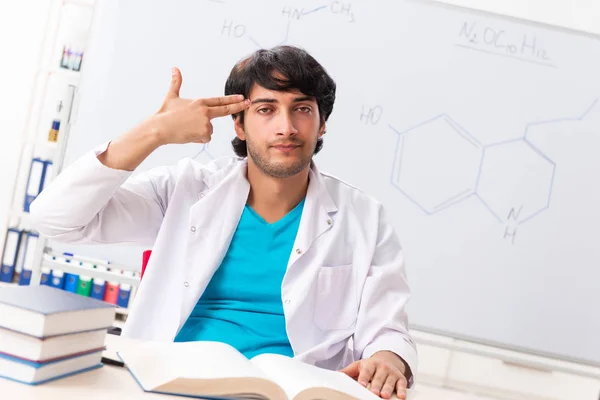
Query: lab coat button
201	195
288	301
298	251
329	222
186	284
193	229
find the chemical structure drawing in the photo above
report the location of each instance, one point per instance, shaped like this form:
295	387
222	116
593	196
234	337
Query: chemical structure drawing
237	30
430	175
438	164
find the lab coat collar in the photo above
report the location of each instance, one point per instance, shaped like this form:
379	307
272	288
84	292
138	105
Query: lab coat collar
316	218
317	187
219	174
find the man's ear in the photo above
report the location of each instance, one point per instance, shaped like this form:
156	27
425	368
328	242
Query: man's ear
322	128
239	128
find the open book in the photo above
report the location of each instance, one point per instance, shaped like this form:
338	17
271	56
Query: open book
211	369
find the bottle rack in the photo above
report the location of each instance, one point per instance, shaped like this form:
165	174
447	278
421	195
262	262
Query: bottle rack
55	87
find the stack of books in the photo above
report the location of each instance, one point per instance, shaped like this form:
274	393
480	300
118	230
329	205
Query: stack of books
47	333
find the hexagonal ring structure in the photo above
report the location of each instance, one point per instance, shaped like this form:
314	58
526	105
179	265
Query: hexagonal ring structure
515	181
436	164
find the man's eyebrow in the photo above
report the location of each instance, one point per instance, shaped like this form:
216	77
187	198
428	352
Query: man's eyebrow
271	100
265	100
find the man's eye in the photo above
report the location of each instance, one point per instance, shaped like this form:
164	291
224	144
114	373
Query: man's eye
305	109
263	110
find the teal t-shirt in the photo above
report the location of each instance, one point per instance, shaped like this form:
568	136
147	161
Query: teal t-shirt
242	303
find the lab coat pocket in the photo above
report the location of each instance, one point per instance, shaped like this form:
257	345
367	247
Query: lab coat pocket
335	304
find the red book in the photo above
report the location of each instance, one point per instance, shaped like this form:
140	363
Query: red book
145	259
111	295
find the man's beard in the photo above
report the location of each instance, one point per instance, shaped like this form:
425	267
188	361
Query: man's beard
274	169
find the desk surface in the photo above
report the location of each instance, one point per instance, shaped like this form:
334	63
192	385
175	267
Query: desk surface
106	383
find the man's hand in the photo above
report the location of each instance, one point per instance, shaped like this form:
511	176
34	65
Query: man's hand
178	121
183	121
383	373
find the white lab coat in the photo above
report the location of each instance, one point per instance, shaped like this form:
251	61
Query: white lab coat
345	278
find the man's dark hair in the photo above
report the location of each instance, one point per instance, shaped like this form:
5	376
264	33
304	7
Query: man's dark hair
282	68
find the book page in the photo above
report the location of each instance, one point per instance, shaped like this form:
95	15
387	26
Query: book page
295	376
156	363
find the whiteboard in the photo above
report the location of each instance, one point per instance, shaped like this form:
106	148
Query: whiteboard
479	133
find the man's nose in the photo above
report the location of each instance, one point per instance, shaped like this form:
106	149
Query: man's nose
286	125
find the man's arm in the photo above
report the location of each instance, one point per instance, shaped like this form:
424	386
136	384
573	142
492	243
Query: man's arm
90	203
96	201
381	337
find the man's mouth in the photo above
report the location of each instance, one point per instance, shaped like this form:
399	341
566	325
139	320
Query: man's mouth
286	147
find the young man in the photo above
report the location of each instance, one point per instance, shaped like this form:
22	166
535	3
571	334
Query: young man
262	251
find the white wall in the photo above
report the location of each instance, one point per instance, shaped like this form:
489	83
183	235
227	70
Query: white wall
582	15
22	26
